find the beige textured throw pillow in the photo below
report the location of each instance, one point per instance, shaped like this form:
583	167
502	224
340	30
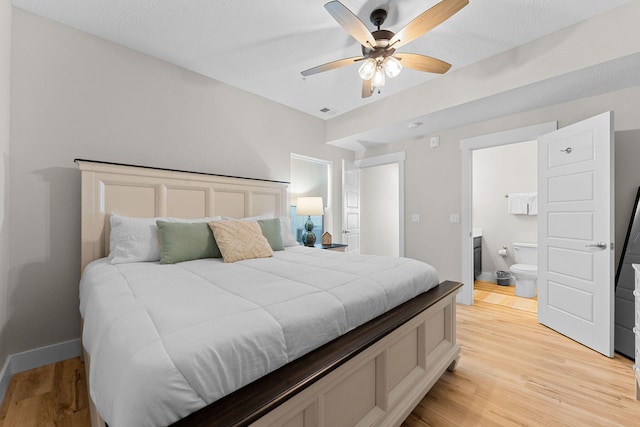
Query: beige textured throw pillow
239	240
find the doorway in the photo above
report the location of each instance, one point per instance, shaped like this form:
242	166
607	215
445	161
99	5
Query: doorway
310	177
468	147
379	227
382	204
501	175
575	228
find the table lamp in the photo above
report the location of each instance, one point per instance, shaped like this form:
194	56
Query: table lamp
309	206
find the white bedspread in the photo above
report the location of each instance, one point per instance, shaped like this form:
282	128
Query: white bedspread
166	340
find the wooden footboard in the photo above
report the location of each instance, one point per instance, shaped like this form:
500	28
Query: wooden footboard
374	375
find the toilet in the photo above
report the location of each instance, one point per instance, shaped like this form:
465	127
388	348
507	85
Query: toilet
525	270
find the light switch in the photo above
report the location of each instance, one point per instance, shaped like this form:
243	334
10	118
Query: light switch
454	217
435	142
415	218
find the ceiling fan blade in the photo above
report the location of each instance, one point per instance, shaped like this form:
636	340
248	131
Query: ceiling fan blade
423	63
350	22
426	21
367	89
331	65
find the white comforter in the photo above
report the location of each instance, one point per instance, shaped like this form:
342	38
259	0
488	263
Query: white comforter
166	340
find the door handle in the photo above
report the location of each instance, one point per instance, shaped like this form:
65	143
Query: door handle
345	231
599	245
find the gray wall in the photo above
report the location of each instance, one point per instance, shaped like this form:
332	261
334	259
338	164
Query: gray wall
433	184
77	96
5	67
627	178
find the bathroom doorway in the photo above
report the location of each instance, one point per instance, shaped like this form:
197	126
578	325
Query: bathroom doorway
468	147
575	277
500	172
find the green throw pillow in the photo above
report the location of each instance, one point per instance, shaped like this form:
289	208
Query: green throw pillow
183	241
272	232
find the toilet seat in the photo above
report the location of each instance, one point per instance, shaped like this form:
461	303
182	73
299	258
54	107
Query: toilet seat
524	268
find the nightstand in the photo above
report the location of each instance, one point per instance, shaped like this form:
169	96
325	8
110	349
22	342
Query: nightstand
337	247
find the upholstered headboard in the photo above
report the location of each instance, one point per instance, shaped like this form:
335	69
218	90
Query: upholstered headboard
140	191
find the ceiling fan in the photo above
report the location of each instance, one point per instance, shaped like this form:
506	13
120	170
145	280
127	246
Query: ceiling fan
379	49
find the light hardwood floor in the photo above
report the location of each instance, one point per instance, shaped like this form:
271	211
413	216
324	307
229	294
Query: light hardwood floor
53	395
503	295
512	372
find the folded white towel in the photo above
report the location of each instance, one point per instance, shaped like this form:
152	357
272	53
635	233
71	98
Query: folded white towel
518	203
533	204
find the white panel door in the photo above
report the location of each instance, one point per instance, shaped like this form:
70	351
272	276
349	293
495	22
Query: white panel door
575	232
351	178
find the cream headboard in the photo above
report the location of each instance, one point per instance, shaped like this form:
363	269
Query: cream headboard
139	191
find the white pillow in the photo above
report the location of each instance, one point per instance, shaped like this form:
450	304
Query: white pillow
136	239
287	235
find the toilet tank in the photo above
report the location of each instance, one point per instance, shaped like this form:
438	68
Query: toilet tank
525	253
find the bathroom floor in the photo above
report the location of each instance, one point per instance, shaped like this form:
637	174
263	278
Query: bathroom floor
493	293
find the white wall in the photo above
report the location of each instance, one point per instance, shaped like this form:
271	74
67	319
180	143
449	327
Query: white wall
379	217
498	171
5	104
433	175
77	96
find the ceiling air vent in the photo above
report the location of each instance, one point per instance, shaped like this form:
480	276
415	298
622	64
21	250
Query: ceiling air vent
325	110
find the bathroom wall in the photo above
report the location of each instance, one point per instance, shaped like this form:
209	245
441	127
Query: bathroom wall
498	171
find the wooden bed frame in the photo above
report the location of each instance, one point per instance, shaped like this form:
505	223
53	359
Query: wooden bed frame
374	375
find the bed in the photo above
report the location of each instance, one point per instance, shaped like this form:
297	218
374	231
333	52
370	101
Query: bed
384	335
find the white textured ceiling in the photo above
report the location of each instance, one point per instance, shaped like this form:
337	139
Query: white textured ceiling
261	46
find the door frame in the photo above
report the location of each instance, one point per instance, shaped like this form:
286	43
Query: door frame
467	146
386	159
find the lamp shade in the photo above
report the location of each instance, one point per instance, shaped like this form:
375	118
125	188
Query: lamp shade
367	68
309	206
391	66
378	77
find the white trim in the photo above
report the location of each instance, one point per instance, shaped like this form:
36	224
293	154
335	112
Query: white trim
35	358
528	133
385	159
465	296
308	158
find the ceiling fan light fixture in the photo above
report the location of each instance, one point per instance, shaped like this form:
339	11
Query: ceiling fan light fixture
378	47
367	69
378	78
392	66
